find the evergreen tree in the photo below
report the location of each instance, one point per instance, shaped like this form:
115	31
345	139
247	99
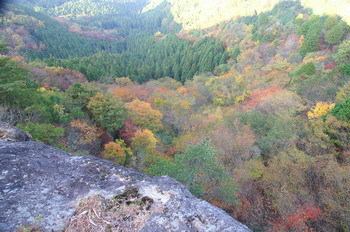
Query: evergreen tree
312	39
335	34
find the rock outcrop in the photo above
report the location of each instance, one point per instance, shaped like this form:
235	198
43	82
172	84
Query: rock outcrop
44	187
11	133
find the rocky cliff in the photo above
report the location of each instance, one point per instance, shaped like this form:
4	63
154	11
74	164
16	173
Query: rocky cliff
45	188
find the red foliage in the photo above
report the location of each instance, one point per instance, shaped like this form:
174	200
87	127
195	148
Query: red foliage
162	90
243	208
258	96
330	65
68	77
140	93
98	35
298	220
58	77
128	131
105	137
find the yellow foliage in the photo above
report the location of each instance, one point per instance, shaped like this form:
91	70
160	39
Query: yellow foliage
247	68
320	109
114	152
123	81
144	146
144	140
240	79
56	70
300	16
343	92
40	23
251	170
248	28
144	116
158	102
242	98
41	89
273	73
315	59
59	109
218	101
301	40
182	90
186	105
211	81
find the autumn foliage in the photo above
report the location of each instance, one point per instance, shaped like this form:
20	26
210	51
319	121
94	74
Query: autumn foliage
88	133
124	93
258	96
128	131
142	115
298	221
320	109
117	152
264	135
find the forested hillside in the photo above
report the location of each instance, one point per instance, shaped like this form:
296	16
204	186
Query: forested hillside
252	114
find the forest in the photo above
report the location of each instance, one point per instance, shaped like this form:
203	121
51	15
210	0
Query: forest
252	114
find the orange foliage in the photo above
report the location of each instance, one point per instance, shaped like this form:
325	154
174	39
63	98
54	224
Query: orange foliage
124	93
88	133
227	74
18	59
258	96
182	90
162	90
289	69
140	93
273	73
243	208
193	88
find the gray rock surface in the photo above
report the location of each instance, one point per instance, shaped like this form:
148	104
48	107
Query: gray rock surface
11	133
42	185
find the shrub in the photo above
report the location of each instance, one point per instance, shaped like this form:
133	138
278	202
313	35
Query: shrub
117	152
45	133
342	110
306	69
312	38
345	69
200	172
335	34
107	111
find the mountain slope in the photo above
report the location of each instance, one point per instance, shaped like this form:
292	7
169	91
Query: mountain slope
196	14
200	14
